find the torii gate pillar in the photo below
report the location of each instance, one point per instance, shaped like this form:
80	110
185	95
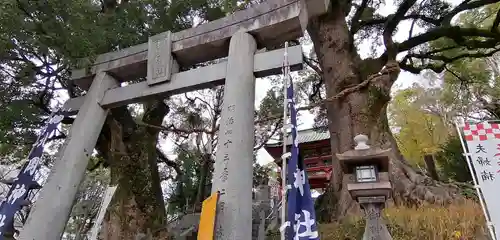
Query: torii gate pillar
57	199
236	140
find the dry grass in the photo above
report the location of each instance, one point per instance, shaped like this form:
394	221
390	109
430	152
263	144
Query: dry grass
464	221
456	222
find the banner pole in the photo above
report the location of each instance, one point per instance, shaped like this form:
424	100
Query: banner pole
284	130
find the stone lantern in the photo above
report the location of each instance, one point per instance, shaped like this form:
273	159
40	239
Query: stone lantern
366	174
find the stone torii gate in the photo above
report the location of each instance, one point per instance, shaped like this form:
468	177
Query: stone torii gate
236	36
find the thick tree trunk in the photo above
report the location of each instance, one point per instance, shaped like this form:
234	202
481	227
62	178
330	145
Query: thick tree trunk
362	112
137	210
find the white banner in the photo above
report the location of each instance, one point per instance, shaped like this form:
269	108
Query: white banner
483	145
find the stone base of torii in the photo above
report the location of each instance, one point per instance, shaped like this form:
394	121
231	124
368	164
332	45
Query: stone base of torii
237	37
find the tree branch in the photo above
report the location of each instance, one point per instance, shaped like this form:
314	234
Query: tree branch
172	128
163	158
355	23
451	32
57	137
316	89
392	23
439	67
377	21
456	75
390	69
410	34
276	127
314	67
494	27
446	59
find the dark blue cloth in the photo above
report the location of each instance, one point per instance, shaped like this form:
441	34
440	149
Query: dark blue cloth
301	217
25	180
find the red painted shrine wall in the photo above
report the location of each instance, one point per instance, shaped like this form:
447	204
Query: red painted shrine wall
317	158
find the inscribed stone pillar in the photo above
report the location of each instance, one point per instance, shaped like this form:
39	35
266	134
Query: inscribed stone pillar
233	165
52	208
375	228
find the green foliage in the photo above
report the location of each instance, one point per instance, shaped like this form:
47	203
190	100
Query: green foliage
424	126
418	131
186	183
471	85
261	173
41	40
452	163
470	89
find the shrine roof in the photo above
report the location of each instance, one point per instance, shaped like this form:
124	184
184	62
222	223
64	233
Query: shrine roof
304	136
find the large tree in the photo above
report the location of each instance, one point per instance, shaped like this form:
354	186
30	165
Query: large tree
359	89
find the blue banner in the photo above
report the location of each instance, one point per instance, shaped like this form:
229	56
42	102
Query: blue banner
301	217
25	180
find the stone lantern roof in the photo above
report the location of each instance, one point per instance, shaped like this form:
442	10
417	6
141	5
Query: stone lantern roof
364	154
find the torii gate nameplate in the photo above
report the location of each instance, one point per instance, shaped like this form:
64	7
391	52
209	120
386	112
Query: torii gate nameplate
159	58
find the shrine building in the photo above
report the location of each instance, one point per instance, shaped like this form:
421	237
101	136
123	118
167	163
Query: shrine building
315	147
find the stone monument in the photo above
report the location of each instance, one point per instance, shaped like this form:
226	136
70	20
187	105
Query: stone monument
366	172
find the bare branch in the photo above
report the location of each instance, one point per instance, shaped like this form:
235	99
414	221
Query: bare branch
391	25
355	23
172	128
410	34
163	158
276	127
378	21
314	67
446	59
390	68
439	67
57	137
453	33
